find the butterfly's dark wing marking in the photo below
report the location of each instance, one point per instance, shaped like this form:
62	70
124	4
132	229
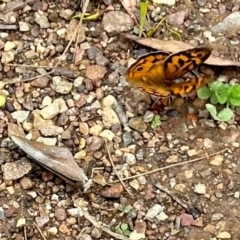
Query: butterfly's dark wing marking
178	64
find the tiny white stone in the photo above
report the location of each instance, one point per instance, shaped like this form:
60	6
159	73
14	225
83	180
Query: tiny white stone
200	188
21	222
52	230
162	216
166	2
20	115
33	194
73	212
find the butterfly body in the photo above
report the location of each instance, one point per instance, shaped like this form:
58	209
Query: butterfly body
155	72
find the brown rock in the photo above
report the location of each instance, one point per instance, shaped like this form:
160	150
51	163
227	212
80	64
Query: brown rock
96	143
60	214
14	129
114	191
11	211
47	176
96	73
137	124
63	229
42	221
140	226
186	220
26	183
177	18
40	82
84	128
62	119
81	101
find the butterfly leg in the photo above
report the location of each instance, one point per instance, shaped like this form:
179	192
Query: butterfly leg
186	87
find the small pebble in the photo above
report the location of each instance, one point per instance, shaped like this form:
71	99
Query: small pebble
200	188
129	158
21	222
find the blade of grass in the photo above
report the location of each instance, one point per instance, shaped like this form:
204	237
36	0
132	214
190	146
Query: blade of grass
173	31
143	15
87	16
154	29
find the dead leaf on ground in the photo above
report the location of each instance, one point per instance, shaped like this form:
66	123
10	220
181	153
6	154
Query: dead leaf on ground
176	46
58	160
130	7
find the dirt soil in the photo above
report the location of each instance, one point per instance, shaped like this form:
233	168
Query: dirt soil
199	200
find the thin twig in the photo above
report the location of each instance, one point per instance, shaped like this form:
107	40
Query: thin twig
39	230
98	225
171	166
110	158
81	234
25	232
84	9
59	59
17	80
8	27
130	11
28	66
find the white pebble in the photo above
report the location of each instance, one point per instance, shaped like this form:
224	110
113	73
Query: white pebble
200	188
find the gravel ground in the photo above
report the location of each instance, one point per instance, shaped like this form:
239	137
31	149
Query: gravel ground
85	105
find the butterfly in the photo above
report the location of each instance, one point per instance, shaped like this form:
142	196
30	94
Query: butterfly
156	72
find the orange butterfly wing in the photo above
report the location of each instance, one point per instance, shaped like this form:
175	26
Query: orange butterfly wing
155	72
146	64
178	64
146	73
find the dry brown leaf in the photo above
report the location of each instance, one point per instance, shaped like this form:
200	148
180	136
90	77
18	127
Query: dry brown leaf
176	46
130	7
58	160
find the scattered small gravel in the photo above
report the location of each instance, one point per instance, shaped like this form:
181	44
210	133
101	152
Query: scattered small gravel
86	100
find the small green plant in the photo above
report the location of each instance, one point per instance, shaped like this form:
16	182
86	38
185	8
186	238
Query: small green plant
221	93
156	122
143	16
124	209
123	229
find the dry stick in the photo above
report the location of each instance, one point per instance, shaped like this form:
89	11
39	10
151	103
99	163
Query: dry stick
98	225
26	80
28	66
132	16
66	49
39	230
172	165
84	9
25	232
110	158
75	32
8	27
